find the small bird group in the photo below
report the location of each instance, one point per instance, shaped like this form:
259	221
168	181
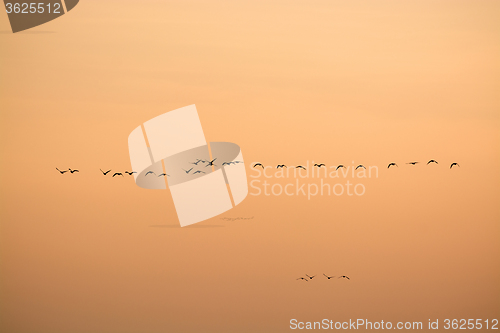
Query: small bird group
105	173
309	277
64	171
430	161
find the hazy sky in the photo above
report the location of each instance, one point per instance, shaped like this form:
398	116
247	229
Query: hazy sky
335	82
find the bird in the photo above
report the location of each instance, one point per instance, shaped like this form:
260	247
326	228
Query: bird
162	174
360	166
258	164
187	171
198	161
147	173
300	167
210	163
281	166
319	165
345	277
412	163
432	161
391	164
72	171
63	171
328	277
454	163
310	277
340	166
198	171
301	278
105	173
117	174
226	163
130	172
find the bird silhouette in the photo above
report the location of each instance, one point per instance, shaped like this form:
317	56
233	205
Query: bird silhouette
454	163
105	173
412	163
198	171
301	278
391	164
198	161
280	166
211	163
310	277
130	172
319	165
147	173
328	277
258	164
117	174
340	166
72	171
360	166
345	277
63	171
300	167
162	174
226	163
432	161
187	171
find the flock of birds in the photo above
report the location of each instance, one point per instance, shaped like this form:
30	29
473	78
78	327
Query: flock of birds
309	277
207	163
319	165
211	163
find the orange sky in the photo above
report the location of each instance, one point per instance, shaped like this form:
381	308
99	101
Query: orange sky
334	82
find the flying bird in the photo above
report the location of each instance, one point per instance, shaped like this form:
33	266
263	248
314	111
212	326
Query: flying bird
319	165
412	163
147	173
340	166
432	161
310	277
72	171
258	164
198	161
162	174
300	167
454	163
301	278
130	172
360	166
198	171
281	166
345	277
187	171
62	171
105	173
117	174
210	163
328	277
227	163
391	164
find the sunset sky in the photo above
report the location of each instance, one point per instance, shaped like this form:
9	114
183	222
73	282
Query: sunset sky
291	82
